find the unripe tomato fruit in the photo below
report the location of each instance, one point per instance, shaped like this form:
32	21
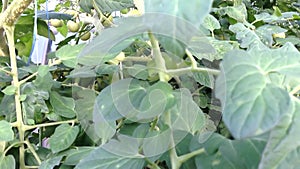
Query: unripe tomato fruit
73	26
85	36
56	22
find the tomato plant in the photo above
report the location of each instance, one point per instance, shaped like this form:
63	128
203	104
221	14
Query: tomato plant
150	84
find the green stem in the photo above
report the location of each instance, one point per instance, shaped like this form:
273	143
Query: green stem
14	70
153	165
191	57
6	71
137	59
186	157
27	127
36	156
175	163
181	71
159	60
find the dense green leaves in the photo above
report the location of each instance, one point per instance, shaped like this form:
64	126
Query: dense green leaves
63	137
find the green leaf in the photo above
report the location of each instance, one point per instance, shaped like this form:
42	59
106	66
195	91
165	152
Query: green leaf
84	107
204	78
63	137
252	99
138	71
6	132
34	104
63	106
194	11
43	30
211	23
247	37
106	5
238	13
122	153
214	50
112	41
266	32
44	79
75	155
10	90
120	99
186	115
159	99
68	54
223	153
51	162
7	162
282	148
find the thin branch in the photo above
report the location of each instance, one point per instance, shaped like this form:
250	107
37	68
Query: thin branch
36	156
27	127
185	70
186	157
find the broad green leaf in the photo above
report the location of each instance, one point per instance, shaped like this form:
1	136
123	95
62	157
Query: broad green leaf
8	108
84	101
83	72
7	162
10	90
43	30
223	153
252	99
238	13
214	50
106	5
266	32
138	71
120	99
63	106
159	99
44	79
122	153
68	54
34	104
282	148
75	155
266	17
211	23
51	162
106	69
247	37
63	137
112	41
185	115
6	132
204	78
194	11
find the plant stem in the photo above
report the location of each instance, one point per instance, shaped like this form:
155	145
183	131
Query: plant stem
191	57
27	127
137	59
181	71
159	60
153	165
186	157
14	70
175	163
36	156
